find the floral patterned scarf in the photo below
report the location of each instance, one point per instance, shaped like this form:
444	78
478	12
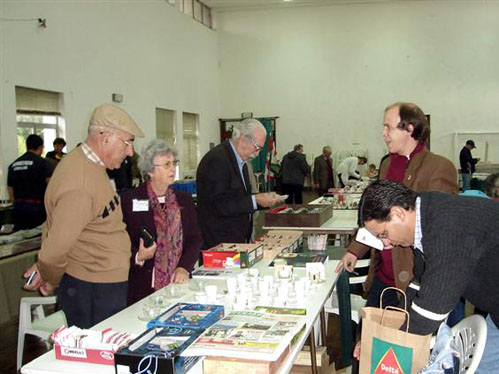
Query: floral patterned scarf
169	239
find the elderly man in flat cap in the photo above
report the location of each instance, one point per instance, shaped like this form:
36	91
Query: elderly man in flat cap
85	250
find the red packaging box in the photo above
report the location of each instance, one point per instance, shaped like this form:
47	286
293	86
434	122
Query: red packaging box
232	255
95	356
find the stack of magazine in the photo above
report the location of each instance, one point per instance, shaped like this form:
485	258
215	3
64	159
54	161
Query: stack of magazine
246	340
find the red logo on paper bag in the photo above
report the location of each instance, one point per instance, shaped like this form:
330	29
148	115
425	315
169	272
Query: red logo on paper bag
389	364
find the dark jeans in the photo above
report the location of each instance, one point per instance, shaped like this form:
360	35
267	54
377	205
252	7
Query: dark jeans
28	215
389	297
86	304
457	314
295	193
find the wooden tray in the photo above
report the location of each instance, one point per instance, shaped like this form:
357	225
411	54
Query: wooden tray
300	219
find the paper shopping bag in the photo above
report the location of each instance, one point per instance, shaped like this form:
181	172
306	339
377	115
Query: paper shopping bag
387	350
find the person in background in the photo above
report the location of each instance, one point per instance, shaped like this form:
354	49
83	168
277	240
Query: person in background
348	173
491	186
85	249
122	177
170	217
57	154
467	163
294	169
323	171
372	173
455	241
225	201
27	181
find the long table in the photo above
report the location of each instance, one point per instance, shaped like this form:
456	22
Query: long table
127	320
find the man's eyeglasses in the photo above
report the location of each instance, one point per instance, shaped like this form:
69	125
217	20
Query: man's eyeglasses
127	143
257	147
168	164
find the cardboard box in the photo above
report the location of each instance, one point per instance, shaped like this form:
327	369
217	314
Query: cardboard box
219	365
315	216
158	351
303	362
270	251
232	255
188	315
280	241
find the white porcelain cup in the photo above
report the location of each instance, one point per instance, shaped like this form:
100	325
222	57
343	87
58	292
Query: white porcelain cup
231	285
254	272
201	297
241	298
307	282
279	302
211	292
241	280
263	287
269	279
282	291
300	288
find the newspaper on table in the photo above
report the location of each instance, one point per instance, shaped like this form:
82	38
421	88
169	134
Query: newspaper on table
262	334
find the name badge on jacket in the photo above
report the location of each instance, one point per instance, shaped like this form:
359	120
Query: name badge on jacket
140	205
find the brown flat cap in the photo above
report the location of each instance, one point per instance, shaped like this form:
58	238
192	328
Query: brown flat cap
108	115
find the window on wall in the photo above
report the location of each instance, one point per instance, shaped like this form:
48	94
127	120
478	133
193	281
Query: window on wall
165	125
165	129
195	9
191	144
38	112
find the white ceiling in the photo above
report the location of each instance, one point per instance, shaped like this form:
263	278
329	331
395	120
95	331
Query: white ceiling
237	5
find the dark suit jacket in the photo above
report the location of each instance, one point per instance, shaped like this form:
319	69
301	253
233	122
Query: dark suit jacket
460	258
140	277
224	204
426	172
321	174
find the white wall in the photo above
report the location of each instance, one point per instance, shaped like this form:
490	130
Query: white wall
145	50
330	71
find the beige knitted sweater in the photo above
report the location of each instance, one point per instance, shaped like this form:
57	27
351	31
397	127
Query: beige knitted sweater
84	235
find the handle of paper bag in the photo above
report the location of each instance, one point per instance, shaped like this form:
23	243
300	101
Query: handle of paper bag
389	307
395	289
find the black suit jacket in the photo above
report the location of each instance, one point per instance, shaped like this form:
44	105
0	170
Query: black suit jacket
224	204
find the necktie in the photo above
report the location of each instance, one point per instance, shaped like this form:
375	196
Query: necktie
246	177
